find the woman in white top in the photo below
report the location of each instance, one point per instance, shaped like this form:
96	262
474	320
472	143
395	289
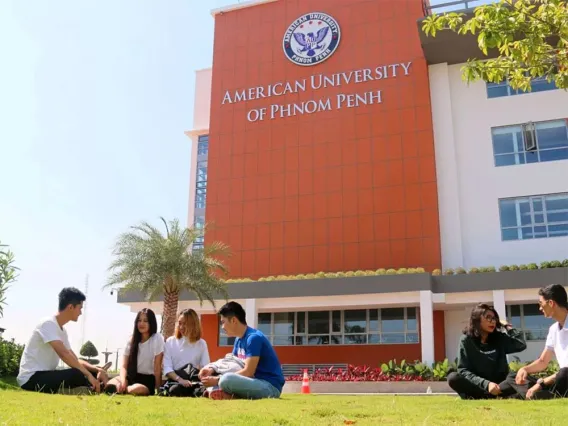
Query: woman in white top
141	371
185	347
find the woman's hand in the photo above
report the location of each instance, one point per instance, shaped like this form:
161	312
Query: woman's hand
122	386
183	382
494	389
205	372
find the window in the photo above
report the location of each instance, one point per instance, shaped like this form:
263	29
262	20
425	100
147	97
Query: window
530	320
203	145
349	327
530	143
201	171
200	198
225	340
498	90
540	216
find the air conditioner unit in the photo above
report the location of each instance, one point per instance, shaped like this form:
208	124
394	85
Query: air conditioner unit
529	136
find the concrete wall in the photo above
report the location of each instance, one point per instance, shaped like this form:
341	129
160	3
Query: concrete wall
469	185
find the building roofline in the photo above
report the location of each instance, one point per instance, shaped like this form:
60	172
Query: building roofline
381	284
196	132
237	6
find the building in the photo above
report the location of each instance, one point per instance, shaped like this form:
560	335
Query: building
377	156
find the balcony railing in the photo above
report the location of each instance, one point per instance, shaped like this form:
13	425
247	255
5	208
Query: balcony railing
452	6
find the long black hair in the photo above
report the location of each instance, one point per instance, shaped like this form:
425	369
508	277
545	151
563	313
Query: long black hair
137	338
473	329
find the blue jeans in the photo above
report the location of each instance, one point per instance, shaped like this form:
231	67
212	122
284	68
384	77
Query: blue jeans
245	387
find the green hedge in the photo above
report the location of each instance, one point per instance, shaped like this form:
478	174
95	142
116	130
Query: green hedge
10	354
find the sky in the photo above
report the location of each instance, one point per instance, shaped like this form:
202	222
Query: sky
95	96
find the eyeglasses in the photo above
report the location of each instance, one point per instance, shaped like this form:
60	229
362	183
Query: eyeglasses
490	318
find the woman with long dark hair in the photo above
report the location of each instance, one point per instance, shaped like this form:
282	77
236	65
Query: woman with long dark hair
482	359
141	371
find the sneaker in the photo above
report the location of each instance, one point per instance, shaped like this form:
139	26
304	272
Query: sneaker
219	394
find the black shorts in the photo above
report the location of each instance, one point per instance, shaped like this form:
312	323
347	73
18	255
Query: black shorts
148	380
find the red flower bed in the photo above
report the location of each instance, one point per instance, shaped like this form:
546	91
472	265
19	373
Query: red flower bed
356	374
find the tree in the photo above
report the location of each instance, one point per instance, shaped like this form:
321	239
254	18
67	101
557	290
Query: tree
89	351
531	37
7	274
157	264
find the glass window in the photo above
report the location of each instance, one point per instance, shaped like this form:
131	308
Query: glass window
551	143
498	90
224	340
203	145
355	321
264	323
349	327
392	320
318	322
201	171
540	216
530	320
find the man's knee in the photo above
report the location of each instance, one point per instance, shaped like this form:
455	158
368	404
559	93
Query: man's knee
562	374
227	380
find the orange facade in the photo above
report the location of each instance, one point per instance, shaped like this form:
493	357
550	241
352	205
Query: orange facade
335	190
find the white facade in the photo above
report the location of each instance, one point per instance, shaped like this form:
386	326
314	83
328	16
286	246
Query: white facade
469	183
201	115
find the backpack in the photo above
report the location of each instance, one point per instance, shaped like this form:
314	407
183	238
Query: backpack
173	388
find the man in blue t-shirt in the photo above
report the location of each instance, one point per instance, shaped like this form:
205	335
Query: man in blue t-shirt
261	376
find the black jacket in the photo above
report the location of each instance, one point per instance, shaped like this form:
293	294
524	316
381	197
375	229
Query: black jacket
482	363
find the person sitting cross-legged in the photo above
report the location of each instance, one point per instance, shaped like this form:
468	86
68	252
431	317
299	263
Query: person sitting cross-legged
49	344
141	371
482	360
261	376
553	303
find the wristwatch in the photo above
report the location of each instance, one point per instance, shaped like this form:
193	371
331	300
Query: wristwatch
541	383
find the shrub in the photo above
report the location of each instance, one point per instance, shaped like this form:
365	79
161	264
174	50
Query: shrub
513	268
381	271
330	275
532	266
503	268
523	267
436	272
391	271
310	277
350	274
420	270
565	263
320	275
340	274
359	273
555	264
369	273
449	271
402	271
545	265
10	354
411	271
460	271
300	277
474	270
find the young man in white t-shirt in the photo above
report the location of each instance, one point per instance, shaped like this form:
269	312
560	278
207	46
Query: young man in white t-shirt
553	303
49	344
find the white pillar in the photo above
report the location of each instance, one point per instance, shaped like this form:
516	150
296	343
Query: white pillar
427	326
499	303
252	312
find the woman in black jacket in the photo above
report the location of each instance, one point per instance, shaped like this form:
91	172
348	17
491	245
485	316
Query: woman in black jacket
482	359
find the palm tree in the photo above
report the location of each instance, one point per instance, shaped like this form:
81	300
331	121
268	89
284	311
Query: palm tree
155	264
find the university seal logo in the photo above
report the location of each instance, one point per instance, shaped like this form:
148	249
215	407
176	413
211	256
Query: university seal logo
311	39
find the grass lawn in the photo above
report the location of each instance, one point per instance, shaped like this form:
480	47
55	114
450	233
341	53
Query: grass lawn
19	407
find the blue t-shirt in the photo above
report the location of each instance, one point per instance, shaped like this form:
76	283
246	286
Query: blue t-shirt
254	343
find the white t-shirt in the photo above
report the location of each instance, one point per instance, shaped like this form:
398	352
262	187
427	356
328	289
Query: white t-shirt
148	350
557	341
38	354
179	352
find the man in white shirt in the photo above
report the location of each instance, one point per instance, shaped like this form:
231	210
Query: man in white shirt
553	303
49	344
